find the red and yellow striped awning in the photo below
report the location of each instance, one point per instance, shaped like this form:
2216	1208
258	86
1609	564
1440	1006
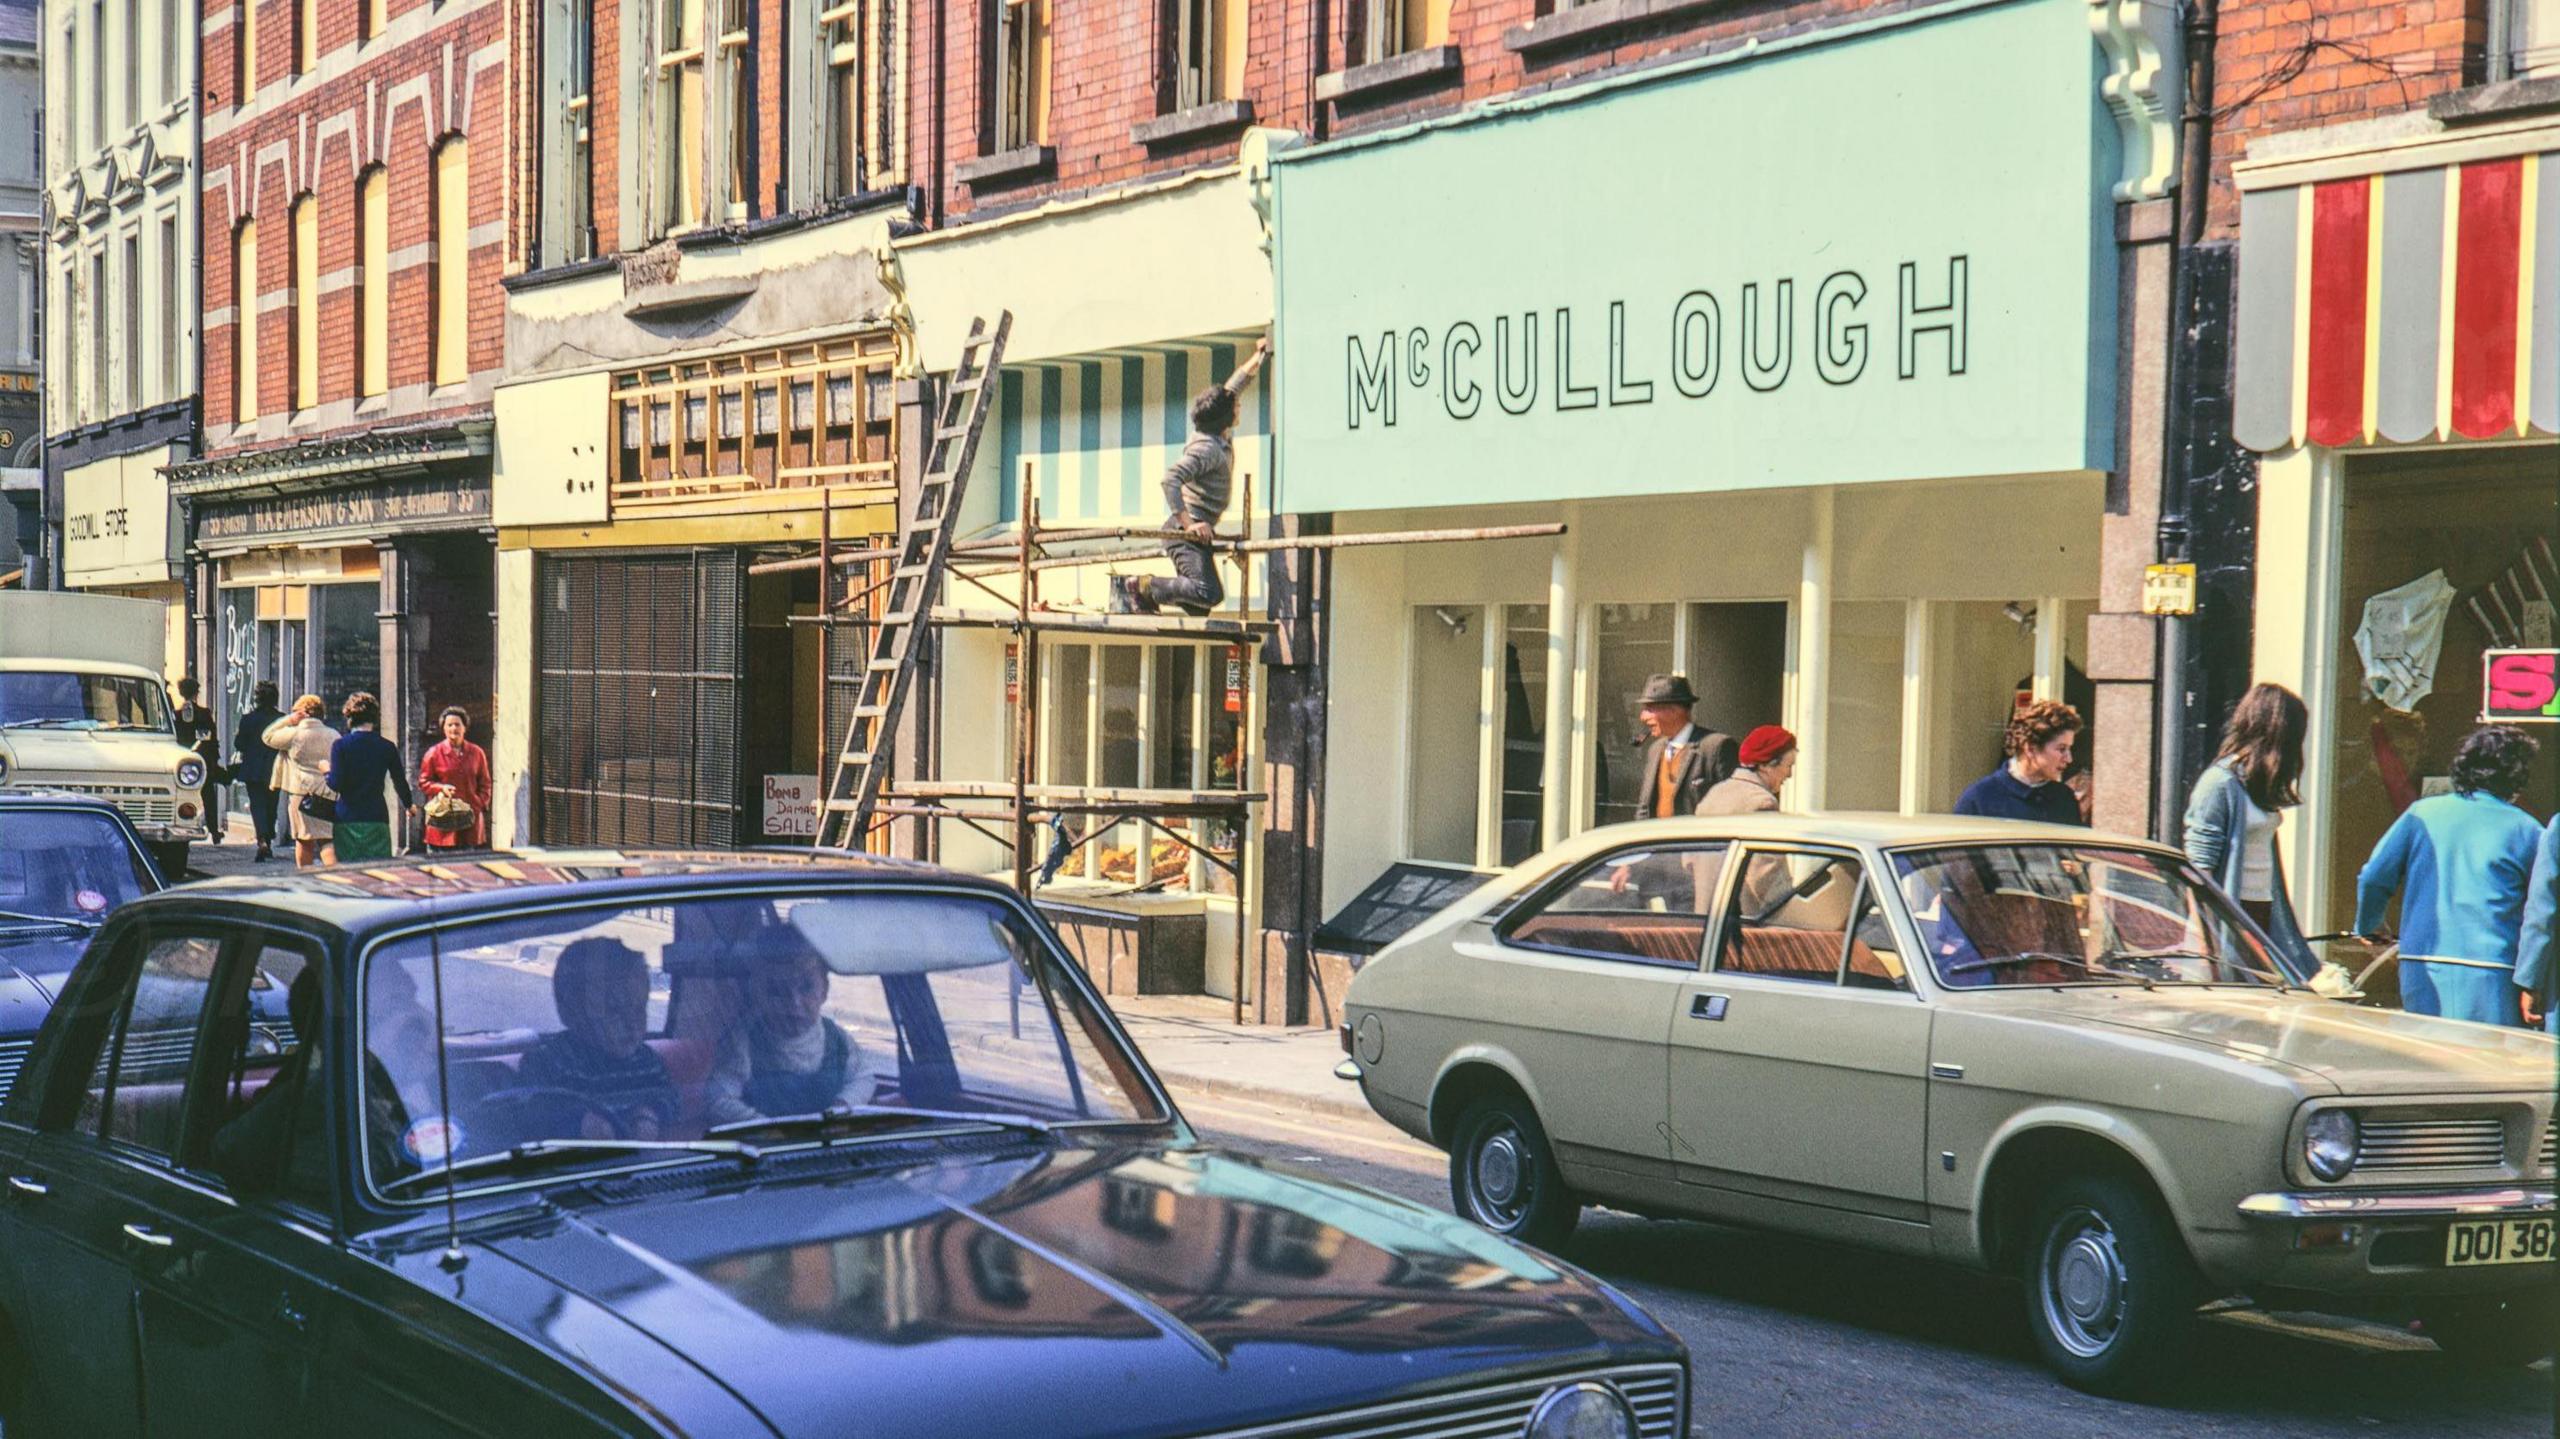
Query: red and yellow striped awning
2404	294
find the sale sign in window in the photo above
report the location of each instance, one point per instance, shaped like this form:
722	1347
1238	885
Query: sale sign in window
2521	687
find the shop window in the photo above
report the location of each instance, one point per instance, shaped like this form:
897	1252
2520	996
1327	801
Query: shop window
1018	113
568	143
1524	732
1207	52
1388	28
738	87
1629	643
1126	716
450	321
347	648
244	323
245	52
679	116
306	302
866	78
1862	764
373	282
2532	38
821	414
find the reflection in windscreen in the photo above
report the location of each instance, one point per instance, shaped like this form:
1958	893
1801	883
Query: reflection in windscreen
65	865
660	1022
2054	914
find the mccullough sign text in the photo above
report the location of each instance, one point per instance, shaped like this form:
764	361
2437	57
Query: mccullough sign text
1660	351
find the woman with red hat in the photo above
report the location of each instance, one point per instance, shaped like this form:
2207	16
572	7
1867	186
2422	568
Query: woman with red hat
1768	757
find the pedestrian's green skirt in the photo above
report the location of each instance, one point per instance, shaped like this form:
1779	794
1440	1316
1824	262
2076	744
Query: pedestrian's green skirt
357	840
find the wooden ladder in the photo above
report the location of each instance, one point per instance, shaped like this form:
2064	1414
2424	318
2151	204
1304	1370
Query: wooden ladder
923	550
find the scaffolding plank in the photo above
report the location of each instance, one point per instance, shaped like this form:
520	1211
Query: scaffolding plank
1086	795
1157	626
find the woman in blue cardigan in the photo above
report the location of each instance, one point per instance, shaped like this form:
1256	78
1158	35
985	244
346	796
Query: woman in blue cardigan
2460	863
2237	804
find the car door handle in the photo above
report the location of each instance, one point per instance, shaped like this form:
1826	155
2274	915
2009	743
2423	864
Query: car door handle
1946	1071
1708	1006
31	1188
290	1315
148	1237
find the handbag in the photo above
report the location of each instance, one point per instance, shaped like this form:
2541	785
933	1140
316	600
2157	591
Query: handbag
451	814
318	806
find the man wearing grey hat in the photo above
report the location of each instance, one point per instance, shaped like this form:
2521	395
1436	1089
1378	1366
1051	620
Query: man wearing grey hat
1682	760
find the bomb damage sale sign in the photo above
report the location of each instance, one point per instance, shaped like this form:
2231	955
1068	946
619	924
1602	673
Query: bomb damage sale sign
2520	687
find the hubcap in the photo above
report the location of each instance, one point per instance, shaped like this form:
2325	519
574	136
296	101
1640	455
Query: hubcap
1500	1175
2082	1286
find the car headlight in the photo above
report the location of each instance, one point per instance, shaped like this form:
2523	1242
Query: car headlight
2329	1144
1582	1411
190	773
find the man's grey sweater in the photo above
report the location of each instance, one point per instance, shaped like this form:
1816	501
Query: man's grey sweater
1198	483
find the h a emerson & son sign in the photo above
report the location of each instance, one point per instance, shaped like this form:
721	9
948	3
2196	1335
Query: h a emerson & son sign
1634	356
366	511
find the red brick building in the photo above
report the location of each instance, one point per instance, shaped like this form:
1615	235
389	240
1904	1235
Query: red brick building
355	191
2376	303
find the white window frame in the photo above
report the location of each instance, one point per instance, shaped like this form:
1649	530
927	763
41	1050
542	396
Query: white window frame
2524	38
1016	121
865	40
1208	689
681	198
568	144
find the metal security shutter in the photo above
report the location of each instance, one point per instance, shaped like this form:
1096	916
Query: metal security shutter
638	710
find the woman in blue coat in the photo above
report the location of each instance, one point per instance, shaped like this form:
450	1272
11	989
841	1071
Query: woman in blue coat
2237	804
2460	863
2538	953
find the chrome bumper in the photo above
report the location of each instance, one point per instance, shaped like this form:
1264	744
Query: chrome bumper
2452	1204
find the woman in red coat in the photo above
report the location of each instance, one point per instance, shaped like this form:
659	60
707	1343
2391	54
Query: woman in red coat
459	768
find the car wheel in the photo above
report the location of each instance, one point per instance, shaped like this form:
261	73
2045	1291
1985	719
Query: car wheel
2507	1332
1503	1175
2111	1294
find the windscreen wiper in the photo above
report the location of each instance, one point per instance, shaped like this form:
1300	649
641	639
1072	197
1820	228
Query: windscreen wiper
11	916
2030	956
549	1149
2117	955
878	1116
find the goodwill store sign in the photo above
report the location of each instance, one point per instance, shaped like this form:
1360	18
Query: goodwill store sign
1881	258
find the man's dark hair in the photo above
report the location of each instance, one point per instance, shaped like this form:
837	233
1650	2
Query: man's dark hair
187	686
2494	759
1213	410
263	692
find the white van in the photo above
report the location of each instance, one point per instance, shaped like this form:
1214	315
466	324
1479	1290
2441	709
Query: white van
82	711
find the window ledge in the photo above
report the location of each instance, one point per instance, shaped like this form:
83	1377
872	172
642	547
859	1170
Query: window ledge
1197	123
1007	167
1430	65
1592	23
2503	101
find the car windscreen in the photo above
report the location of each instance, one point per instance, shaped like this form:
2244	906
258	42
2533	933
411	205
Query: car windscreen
65	864
668	1022
2015	915
63	699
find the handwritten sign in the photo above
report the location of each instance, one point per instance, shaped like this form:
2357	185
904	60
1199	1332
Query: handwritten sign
2520	687
791	806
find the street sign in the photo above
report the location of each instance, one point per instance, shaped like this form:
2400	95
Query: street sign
2520	687
2169	589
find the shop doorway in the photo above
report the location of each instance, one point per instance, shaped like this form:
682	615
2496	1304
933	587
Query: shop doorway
450	630
783	747
1734	653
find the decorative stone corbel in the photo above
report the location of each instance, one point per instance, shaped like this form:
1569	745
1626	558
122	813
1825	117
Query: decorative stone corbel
900	314
2145	87
1254	155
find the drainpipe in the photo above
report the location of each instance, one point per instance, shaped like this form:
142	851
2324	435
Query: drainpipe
941	109
2195	157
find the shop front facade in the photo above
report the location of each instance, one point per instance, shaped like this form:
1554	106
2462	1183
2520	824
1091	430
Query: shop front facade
361	565
1125	306
120	532
662	436
2398	372
1827	420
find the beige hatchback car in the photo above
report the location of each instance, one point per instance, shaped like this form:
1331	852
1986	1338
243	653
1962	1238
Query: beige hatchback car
2015	1047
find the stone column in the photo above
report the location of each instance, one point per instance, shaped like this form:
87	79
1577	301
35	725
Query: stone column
2123	642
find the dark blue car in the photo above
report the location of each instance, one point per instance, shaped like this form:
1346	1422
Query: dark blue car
607	1144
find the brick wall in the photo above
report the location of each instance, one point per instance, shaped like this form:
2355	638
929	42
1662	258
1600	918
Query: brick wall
435	71
2294	65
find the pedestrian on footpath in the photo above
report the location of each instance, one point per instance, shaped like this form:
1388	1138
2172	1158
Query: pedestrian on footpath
197	731
455	772
2236	807
360	764
2459	863
302	742
2537	977
1682	759
1768	758
253	765
1197	486
2029	785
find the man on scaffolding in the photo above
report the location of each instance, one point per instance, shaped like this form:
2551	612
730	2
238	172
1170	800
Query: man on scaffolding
1197	486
